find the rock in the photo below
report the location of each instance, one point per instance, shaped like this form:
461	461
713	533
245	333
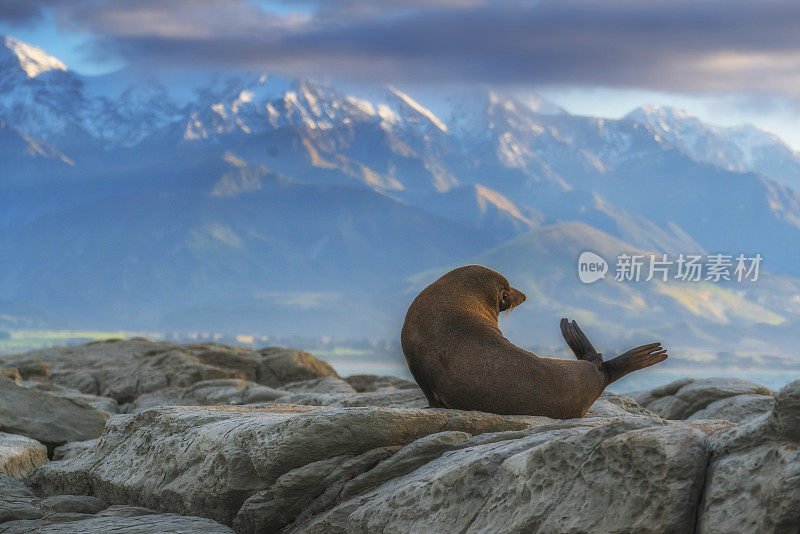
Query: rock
326	384
33	369
614	405
106	404
407	459
684	398
76	504
368	383
10	372
209	392
209	460
124	370
753	490
279	366
16	501
306	489
785	417
737	409
402	398
73	448
46	417
20	455
127	519
562	477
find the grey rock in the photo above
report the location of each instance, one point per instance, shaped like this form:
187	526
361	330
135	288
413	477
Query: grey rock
562	477
407	459
307	489
279	366
19	455
16	501
326	384
76	504
785	417
209	392
125	519
107	404
368	383
614	405
46	417
11	372
683	398
737	409
124	370
402	398
73	448
209	460
756	489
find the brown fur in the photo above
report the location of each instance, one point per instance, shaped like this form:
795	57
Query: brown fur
461	360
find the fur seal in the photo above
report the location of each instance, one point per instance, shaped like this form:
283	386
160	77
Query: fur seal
460	359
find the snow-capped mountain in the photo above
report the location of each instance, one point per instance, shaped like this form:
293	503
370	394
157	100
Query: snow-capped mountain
122	198
736	148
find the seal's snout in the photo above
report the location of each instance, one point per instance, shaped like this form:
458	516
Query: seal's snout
517	297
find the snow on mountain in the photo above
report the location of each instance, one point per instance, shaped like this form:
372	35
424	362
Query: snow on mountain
735	148
31	59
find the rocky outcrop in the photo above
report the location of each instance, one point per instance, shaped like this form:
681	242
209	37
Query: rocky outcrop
310	452
127	369
16	501
73	448
185	459
20	455
712	398
47	417
209	392
21	512
368	383
128	519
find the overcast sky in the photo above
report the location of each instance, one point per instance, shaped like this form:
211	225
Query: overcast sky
727	61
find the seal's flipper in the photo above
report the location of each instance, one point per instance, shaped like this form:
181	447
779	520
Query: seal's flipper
578	341
633	360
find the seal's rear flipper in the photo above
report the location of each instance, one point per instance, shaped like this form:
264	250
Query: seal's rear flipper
633	360
578	342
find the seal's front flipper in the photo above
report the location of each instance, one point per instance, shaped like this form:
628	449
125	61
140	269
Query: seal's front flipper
578	342
633	360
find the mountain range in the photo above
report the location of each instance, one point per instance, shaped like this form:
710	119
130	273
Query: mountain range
243	202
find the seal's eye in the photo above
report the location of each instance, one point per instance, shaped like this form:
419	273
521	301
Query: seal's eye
504	296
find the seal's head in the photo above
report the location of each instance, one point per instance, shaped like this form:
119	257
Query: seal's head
479	282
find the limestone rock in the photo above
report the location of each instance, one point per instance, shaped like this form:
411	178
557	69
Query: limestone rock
326	384
75	504
73	448
106	404
20	455
279	366
209	460
633	474
368	383
11	372
16	501
401	398
126	369
46	417
127	519
684	398
223	391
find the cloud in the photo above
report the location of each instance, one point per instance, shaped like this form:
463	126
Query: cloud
678	45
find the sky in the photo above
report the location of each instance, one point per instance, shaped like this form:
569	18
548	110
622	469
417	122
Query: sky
727	61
